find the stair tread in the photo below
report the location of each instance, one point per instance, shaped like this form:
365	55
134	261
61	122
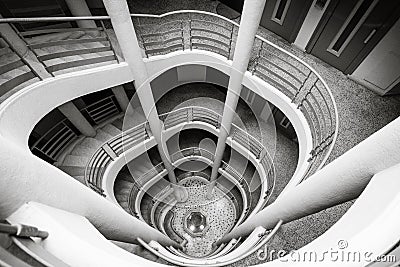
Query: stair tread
81	150
111	129
91	143
72	160
102	136
73	170
118	123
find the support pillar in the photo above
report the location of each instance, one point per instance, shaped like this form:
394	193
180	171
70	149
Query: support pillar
20	48
77	119
127	39
120	95
250	20
342	180
26	178
79	8
68	109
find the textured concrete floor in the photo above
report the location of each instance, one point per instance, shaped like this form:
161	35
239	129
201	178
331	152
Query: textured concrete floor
285	151
361	113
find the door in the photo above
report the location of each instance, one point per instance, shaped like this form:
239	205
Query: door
284	17
350	29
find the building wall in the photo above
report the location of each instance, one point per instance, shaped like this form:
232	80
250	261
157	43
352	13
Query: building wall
380	71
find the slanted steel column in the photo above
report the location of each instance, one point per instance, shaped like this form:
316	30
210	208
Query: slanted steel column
342	180
72	113
125	33
68	109
79	8
25	177
250	20
20	48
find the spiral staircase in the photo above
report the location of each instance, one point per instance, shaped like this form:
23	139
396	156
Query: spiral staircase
121	162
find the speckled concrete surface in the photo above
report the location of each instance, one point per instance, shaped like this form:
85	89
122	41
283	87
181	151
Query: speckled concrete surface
361	113
283	150
219	211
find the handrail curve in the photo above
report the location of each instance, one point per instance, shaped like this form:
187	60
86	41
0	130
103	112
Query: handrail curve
315	102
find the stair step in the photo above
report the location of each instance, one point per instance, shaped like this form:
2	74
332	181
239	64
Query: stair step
102	136
71	160
81	150
124	191
126	177
122	197
121	185
118	123
80	178
73	170
111	129
91	143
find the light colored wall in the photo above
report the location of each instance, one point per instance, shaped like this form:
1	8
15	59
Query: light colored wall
367	227
23	110
380	70
158	65
73	239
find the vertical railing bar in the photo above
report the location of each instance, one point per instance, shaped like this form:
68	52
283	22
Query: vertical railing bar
306	95
301	87
190	32
230	42
109	40
182	36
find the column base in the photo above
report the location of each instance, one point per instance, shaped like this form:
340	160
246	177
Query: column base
180	193
210	190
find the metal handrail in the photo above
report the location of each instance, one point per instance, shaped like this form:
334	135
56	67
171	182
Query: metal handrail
52	148
321	148
324	133
98	113
51	66
96	165
193	174
192	151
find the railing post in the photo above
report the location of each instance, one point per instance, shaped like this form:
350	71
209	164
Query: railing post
109	41
230	42
190	32
255	64
182	35
306	95
301	87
